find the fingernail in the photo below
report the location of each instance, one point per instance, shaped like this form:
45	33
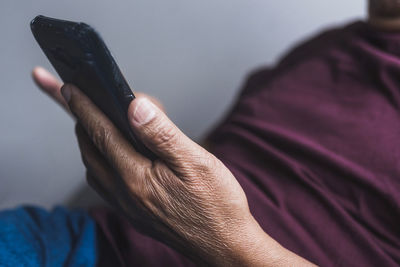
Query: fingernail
66	93
144	111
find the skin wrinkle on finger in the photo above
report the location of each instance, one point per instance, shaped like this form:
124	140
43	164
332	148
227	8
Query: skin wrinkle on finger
163	137
106	178
194	157
160	134
94	162
100	175
104	135
200	167
100	167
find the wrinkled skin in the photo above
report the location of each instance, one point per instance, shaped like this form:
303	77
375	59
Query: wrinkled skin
187	195
187	198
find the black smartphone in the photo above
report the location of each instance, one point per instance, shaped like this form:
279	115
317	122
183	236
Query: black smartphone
80	57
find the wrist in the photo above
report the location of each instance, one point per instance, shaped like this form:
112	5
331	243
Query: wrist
256	248
253	247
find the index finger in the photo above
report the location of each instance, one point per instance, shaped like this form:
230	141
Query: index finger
106	137
49	84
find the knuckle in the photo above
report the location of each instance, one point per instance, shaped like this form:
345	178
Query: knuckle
160	174
101	136
146	195
205	165
165	136
208	162
143	191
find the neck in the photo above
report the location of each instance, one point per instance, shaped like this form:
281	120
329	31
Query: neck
384	14
385	24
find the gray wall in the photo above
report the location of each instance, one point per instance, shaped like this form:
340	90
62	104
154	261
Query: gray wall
192	55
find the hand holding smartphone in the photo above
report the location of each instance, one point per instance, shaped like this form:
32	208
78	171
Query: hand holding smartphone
80	57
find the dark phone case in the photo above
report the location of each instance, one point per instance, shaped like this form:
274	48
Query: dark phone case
80	57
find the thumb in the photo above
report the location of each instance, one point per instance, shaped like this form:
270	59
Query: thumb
160	134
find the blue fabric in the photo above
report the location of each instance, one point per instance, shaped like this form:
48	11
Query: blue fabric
31	236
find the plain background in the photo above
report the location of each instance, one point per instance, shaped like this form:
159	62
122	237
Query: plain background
192	55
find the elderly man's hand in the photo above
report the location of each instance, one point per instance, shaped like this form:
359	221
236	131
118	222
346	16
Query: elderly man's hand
187	198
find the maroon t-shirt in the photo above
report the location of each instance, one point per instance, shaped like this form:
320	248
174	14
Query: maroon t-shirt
315	144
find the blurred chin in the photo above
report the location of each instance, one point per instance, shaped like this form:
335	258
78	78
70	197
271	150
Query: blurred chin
384	8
